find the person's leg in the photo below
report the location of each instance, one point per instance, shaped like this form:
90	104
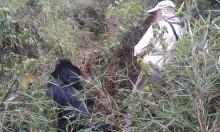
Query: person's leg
139	87
141	81
156	76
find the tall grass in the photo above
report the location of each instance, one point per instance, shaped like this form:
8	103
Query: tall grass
186	100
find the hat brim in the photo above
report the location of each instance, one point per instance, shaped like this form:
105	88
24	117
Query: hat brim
152	10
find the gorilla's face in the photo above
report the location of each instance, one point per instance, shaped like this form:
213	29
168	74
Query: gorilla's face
68	74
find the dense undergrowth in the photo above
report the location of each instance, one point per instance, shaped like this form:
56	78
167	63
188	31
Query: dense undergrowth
99	37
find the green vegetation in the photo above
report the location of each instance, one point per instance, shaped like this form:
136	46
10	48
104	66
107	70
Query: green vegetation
99	36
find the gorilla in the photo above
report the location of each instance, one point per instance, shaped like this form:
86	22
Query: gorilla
63	86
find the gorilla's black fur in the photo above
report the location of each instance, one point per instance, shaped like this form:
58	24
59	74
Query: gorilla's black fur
65	82
68	74
63	86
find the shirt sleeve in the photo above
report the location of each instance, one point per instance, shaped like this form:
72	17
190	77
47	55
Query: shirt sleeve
145	40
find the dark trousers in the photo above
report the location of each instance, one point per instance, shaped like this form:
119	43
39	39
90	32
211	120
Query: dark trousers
142	82
144	78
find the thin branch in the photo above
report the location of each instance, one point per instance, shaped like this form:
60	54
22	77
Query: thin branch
7	95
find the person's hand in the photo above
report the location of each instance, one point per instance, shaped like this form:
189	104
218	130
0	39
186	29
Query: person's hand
140	61
143	53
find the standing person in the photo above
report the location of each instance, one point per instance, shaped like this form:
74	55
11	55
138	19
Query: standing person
156	46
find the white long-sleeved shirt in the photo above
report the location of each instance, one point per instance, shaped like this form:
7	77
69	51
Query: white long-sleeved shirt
162	43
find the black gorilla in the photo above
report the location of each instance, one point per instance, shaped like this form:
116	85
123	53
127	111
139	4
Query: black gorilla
63	86
68	74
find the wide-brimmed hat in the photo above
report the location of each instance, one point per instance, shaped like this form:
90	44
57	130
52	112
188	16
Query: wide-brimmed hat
166	4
